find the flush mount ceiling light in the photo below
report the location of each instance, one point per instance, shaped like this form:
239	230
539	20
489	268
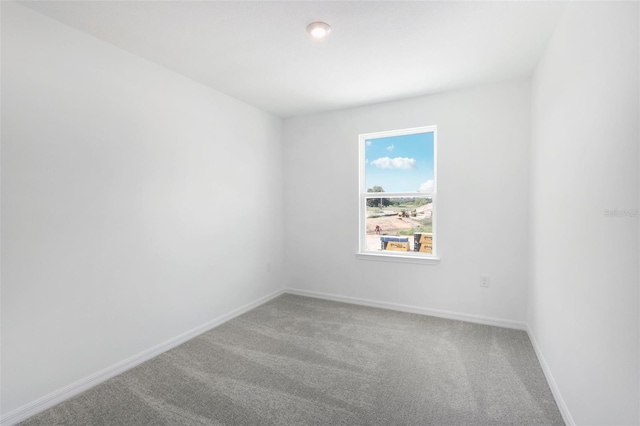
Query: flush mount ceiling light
318	29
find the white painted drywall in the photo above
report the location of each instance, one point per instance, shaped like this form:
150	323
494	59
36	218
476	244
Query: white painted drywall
136	205
483	166
584	265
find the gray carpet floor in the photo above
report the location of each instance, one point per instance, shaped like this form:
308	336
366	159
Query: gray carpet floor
304	361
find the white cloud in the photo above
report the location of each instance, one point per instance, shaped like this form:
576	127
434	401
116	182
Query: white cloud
394	163
390	147
367	144
427	186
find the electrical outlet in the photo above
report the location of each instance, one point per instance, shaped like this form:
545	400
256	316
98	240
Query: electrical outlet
484	280
268	266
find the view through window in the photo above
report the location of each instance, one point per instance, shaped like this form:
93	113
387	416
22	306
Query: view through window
398	192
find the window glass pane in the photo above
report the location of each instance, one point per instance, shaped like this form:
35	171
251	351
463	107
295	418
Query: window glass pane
399	224
399	163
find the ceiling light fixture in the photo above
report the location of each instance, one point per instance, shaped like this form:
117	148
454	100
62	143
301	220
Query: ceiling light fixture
318	29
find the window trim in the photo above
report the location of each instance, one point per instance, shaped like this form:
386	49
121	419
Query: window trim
408	257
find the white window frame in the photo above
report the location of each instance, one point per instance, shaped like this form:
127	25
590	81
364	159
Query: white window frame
391	256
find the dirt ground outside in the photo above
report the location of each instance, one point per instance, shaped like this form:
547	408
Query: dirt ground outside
390	226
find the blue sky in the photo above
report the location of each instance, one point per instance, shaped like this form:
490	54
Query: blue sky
400	163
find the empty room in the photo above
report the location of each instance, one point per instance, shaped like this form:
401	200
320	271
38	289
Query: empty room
320	212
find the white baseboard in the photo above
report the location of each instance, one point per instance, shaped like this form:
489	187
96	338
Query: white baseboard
56	397
562	406
478	319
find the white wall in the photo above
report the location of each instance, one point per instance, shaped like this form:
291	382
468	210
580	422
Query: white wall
584	266
483	166
137	205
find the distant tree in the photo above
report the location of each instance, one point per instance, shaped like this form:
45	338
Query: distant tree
377	202
421	201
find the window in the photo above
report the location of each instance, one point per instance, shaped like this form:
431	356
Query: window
398	194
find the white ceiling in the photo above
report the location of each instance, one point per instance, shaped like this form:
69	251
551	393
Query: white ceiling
259	52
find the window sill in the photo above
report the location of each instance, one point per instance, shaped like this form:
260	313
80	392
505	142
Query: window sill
379	257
